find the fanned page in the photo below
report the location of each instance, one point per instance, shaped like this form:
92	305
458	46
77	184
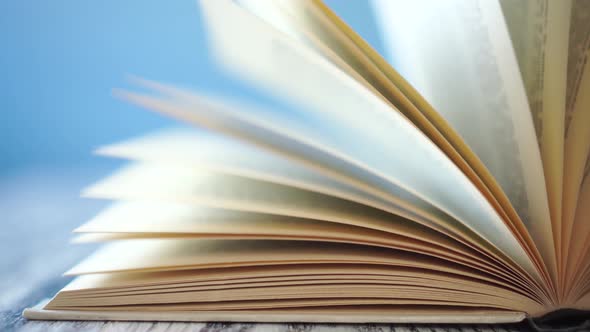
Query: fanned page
550	41
539	31
458	55
577	135
366	197
399	153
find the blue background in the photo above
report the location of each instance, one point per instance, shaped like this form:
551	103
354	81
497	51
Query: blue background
60	59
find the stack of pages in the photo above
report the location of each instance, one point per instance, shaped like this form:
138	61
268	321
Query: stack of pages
454	188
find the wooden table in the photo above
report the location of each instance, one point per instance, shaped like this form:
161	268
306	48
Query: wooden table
39	207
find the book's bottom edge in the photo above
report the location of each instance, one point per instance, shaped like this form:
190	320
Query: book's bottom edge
484	317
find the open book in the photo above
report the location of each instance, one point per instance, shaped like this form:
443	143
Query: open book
453	189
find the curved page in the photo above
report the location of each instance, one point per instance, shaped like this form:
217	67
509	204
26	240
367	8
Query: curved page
293	70
459	56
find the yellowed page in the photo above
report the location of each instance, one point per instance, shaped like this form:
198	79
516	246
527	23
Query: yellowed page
577	128
539	32
168	255
270	305
269	288
184	184
168	220
87	286
454	53
310	295
167	217
189	185
365	290
313	23
209	151
503	276
179	219
182	254
344	314
236	127
584	302
111	282
416	279
580	240
369	63
310	22
267	64
91	287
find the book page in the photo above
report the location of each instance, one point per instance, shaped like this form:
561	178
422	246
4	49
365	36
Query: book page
385	314
539	31
577	118
584	302
204	150
264	56
269	285
315	25
203	110
113	283
458	55
207	150
189	185
306	22
182	254
168	255
92	287
314	295
395	297
179	255
579	246
128	220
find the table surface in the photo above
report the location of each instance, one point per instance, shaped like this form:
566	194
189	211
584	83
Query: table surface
39	208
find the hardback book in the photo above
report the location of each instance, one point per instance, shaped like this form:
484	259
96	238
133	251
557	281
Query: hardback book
448	183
